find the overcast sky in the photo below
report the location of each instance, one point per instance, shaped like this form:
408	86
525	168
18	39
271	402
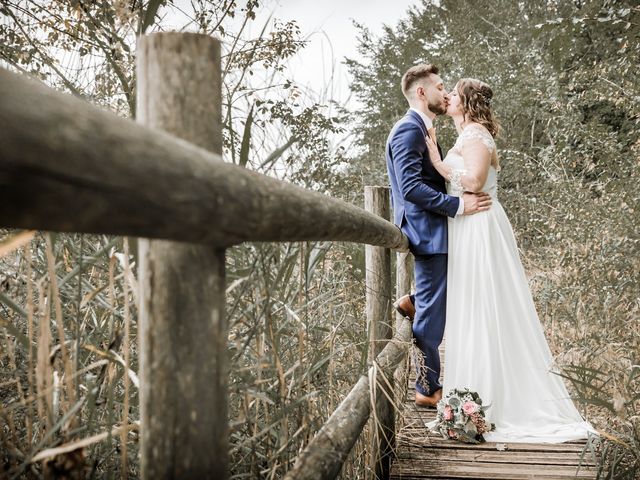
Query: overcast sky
332	36
327	26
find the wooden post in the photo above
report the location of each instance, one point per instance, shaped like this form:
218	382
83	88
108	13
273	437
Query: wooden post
404	280
183	331
378	307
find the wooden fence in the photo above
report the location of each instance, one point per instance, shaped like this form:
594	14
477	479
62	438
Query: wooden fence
68	166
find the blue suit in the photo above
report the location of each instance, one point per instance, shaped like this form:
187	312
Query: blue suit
421	207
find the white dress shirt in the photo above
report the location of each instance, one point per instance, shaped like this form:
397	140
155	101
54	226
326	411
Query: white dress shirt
428	123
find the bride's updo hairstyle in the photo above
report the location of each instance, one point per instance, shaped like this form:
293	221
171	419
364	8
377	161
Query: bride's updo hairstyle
475	99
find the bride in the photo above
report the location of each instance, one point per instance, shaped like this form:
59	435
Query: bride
494	342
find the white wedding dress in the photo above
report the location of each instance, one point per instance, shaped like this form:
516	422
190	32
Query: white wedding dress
494	343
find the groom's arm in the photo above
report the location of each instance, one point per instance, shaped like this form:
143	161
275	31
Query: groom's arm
407	147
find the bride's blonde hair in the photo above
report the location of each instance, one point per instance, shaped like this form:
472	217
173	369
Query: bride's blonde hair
475	99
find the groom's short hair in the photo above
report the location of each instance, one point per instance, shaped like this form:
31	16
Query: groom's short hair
415	73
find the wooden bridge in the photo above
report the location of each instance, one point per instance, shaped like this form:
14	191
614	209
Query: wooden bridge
68	166
422	456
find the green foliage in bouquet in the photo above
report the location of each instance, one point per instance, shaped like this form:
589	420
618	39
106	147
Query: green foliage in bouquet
461	417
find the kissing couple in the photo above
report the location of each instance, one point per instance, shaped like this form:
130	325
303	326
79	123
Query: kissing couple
469	280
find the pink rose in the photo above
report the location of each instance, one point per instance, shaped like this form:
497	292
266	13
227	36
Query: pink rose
448	413
469	407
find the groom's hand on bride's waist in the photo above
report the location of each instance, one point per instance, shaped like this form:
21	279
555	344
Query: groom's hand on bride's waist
475	202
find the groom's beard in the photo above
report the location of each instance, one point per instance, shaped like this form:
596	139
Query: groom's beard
437	108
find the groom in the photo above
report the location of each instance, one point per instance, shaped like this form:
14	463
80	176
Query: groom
421	207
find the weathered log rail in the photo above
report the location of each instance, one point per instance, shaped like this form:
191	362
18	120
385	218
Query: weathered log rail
328	450
72	167
68	166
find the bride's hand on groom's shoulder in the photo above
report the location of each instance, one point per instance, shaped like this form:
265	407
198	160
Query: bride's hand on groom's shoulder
476	202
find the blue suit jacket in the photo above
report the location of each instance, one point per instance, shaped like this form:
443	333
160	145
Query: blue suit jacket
419	199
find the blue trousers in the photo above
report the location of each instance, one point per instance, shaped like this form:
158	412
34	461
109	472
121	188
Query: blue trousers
429	321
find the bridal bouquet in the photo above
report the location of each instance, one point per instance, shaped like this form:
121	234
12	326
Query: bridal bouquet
461	417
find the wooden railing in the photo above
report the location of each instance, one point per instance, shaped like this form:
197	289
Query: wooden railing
68	166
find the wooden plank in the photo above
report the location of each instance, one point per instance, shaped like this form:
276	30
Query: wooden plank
69	166
507	456
421	454
439	442
495	471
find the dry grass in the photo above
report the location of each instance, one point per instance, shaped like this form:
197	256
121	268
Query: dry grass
297	343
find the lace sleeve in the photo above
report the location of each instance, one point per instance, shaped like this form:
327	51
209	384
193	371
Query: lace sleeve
474	132
455	179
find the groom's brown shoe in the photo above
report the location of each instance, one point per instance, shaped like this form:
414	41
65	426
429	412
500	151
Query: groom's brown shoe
405	307
428	401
